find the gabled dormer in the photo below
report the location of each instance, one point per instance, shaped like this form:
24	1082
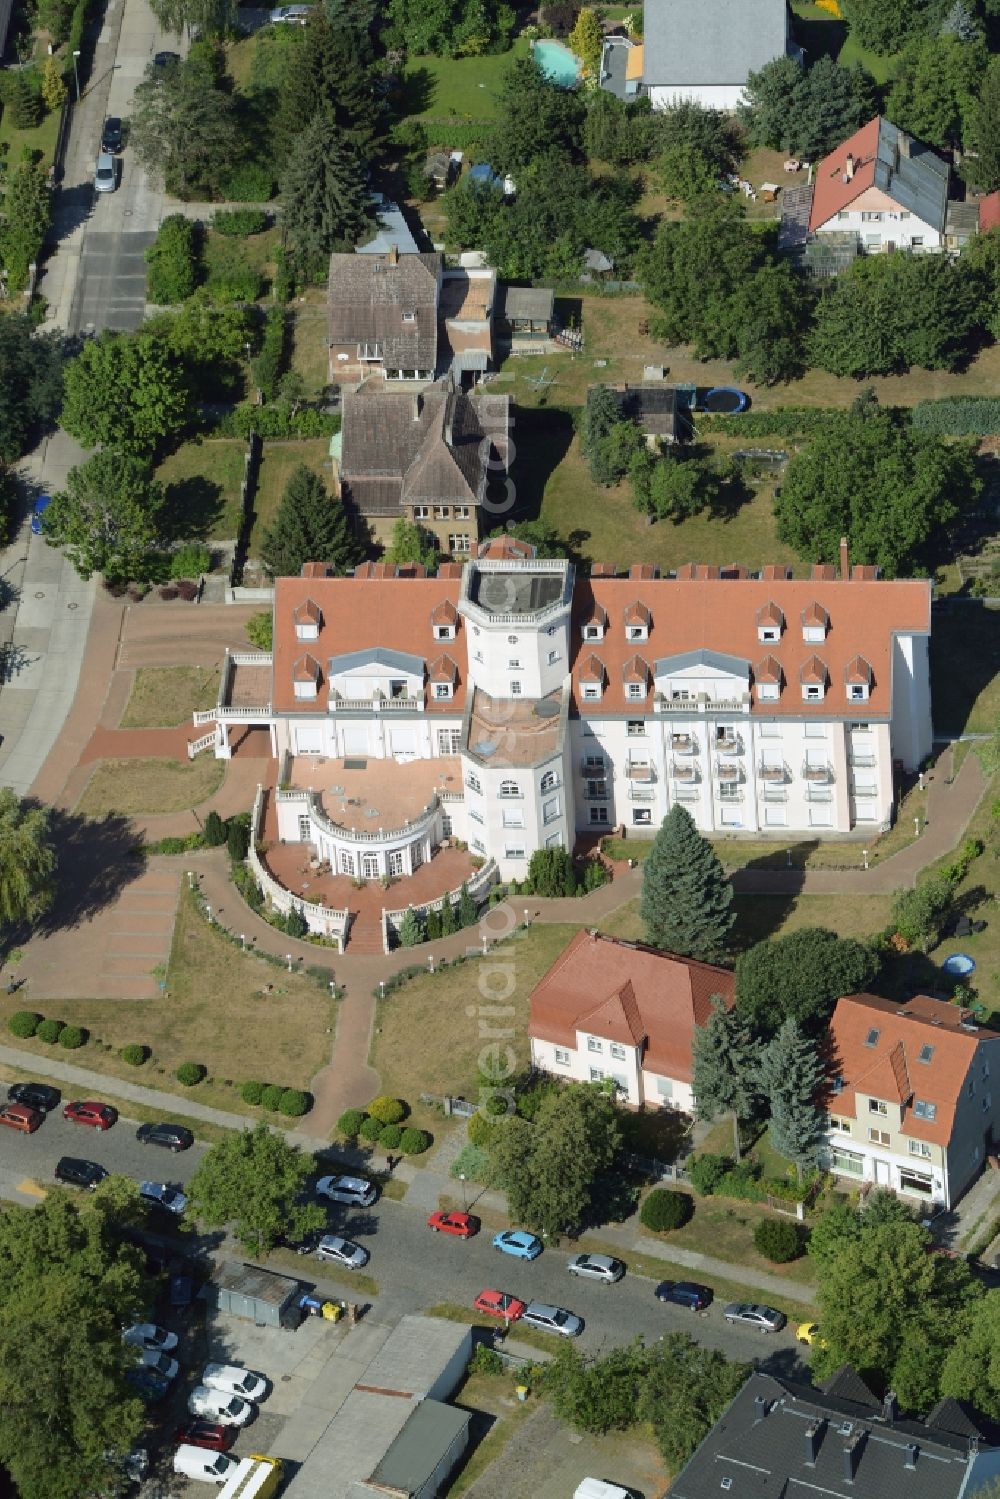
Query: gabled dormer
770	622
442	675
637	621
305	676
814	678
858	680
308	618
635	679
767	677
591	678
444	620
594	623
815	623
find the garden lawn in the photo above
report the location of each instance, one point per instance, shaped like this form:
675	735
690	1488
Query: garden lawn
965	669
278	462
134	788
202	479
231	251
979	896
723	1227
310	344
213	1002
762	916
435	88
162	696
41	139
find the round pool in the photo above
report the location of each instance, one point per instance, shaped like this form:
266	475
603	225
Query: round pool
726	399
557	63
959	965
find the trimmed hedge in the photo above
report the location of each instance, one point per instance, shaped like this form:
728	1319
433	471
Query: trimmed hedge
350	1122
413	1141
249	183
276	422
958	416
268	367
135	1056
173	261
24	1024
190	1073
663	1210
387	1110
240	222
252	1092
785	421
777	1240
72	1037
50	1031
294	1103
390	1136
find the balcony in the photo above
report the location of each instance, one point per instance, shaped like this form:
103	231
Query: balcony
863	759
730	794
775	794
818	772
773	772
641	793
728	770
683	744
819	794
596	791
591	766
635	772
729	743
685	773
687	793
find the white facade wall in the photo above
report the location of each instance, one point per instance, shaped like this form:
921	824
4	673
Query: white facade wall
911	700
880	224
595	1058
724	96
512	660
512	812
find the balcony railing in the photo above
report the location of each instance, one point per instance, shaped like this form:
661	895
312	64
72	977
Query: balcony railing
639	772
376	704
771	772
682	772
817	771
864	760
687	793
728	770
597	796
683	744
733	794
819	794
775	794
641	793
596	767
729	743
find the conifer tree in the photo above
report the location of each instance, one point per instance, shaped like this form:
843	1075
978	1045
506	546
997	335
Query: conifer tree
686	902
723	1078
310	526
790	1076
326	200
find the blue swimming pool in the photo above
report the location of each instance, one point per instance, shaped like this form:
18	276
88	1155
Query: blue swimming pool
558	63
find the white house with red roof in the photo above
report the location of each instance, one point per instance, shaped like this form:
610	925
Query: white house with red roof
886	187
616	1010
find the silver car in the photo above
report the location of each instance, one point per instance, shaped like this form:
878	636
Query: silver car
602	1267
356	1190
342	1252
749	1314
552	1319
105	177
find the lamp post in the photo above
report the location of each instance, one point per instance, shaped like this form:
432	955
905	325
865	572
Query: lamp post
864	855
288	960
243	939
916	827
76	74
465	1199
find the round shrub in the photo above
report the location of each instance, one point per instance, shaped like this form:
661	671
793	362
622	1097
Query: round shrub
390	1136
777	1240
24	1023
294	1103
350	1123
271	1097
413	1141
706	1171
249	183
663	1210
72	1037
50	1031
252	1092
387	1110
189	1073
370	1129
135	1056
480	1129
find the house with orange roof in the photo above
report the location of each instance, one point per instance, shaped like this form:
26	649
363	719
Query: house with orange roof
619	1011
884	187
914	1102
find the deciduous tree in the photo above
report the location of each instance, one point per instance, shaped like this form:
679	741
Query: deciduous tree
921	914
108	518
971	1369
413	543
549	1169
982	120
935	89
723	1060
309	527
884	26
685	1389
30	383
808	111
535	117
801	977
125	391
212	16
27	860
184	129
326	202
587	40
686	901
253	1181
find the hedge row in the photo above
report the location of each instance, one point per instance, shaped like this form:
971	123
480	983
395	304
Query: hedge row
292	1102
786	421
720	1176
380	1124
276	422
240	222
27	1023
958	416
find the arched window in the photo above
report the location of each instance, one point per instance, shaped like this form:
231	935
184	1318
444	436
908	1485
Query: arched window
509	788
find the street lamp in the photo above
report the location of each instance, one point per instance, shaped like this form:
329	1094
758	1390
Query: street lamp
76	74
243	939
288	960
916	826
864	855
430	961
465	1199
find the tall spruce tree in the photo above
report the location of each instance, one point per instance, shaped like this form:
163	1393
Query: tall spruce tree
328	77
310	526
790	1076
686	902
326	201
723	1056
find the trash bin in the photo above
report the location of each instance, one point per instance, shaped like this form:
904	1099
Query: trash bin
312	1305
332	1311
521	1391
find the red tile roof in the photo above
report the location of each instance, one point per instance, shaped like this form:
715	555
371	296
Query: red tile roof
831	194
444	613
635	670
989	212
770	614
815	617
768	670
813	670
443	669
591	669
858	670
306	669
890	1068
626	992
307	613
637	613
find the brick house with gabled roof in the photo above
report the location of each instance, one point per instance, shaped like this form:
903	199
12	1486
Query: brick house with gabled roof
382	316
620	1010
884	187
914	1102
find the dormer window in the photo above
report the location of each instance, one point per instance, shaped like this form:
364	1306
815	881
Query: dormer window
443	673
767	680
593	632
592	679
308	619
444	620
442	691
594	624
305	676
813	677
635	691
858	679
815	623
409	317
635	675
444	632
770	622
637	621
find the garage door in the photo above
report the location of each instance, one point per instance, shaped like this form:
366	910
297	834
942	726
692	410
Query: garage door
309	740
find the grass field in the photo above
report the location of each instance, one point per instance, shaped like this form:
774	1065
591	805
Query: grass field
310	349
435	88
762	916
133	788
166	695
278	462
202	480
40	139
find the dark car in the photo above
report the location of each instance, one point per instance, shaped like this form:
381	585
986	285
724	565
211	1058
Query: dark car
41	505
170	1136
166	59
181	1284
685	1293
111	136
200	1433
36	1095
74	1172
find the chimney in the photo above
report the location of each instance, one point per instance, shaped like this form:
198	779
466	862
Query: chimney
393	254
814	1433
911	1450
845	560
890	1407
852	1456
849	167
759	1403
417	405
904	146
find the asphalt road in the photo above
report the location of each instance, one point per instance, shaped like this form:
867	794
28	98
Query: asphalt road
414	1269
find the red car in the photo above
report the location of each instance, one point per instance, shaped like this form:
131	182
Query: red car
97	1115
199	1433
462	1225
20	1116
499	1304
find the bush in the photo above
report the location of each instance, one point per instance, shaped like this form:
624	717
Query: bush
785	421
387	1110
476	1165
370	1129
24	1023
777	1240
190	560
276	422
240	221
664	1210
49	1031
480	1129
248	887
249	183
350	1123
270	1098
72	1037
706	1171
390	1136
260	630
485	1360
215	830
294	1103
174	261
189	1073
238	837
958	416
235	284
269	364
295	923
135	1056
413	1142
252	1092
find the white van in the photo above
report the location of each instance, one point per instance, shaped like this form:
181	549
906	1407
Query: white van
596	1488
256	1477
209	1467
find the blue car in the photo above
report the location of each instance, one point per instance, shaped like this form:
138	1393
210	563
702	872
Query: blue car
148	1384
41	505
515	1241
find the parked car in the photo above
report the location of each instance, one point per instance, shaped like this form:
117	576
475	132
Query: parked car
41	505
181	1283
106	174
749	1314
290	15
36	1095
201	1433
356	1190
165	59
500	1304
147	1384
111	135
685	1293
170	1136
517	1242
462	1225
149	1335
19	1116
343	1252
217	1406
161	1363
552	1319
74	1172
602	1267
809	1334
159	1195
207	1467
233	1380
85	1111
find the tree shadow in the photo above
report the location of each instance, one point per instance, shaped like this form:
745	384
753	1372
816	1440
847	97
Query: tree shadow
96	860
820	38
965	658
193	506
419	87
542	438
